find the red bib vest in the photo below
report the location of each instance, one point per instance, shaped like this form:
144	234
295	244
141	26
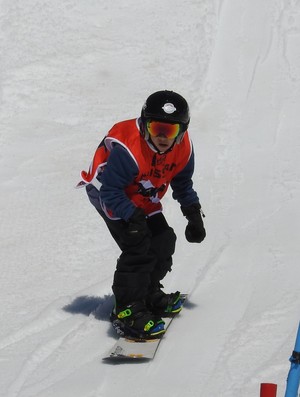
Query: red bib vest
155	170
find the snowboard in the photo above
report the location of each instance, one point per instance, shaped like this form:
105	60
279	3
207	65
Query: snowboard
127	349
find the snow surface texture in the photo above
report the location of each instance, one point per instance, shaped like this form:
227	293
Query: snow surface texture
71	69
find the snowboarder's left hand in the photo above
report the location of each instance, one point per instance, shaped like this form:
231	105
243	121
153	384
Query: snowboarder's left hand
195	231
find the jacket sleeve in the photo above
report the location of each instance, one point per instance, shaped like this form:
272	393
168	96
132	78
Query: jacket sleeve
182	185
119	172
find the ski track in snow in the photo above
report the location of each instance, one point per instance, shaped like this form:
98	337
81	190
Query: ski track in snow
48	354
52	335
68	72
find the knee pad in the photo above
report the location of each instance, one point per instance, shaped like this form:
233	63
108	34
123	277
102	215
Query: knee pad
163	244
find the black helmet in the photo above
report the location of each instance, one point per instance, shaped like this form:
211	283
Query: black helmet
168	107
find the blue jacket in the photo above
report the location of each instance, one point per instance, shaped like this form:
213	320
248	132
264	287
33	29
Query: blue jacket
120	172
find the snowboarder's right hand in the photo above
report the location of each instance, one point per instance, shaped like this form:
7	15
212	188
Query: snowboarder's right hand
137	228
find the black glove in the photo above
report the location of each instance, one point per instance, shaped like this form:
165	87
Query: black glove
194	232
137	228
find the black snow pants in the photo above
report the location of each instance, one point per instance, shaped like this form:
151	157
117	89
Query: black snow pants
141	267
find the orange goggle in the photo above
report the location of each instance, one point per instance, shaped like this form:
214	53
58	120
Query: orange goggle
157	128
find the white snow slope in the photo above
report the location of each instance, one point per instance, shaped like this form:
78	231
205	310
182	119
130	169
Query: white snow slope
71	69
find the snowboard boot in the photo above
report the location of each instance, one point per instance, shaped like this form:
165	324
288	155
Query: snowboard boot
136	321
164	305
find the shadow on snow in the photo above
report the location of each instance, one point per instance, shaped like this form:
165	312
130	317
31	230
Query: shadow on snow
99	307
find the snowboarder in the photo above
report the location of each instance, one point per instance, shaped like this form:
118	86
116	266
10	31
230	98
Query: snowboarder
131	171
